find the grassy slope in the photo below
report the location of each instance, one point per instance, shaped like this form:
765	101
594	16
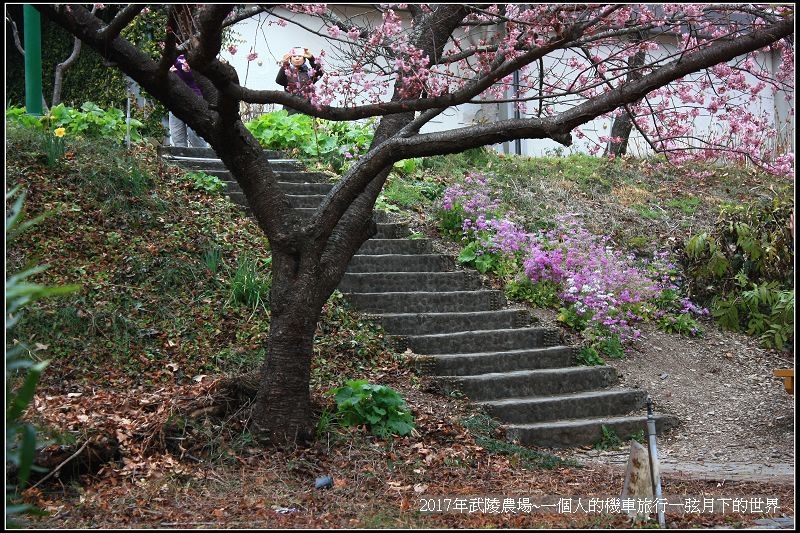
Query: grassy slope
130	349
641	205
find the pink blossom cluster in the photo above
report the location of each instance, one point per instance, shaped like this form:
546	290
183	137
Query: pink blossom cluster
731	104
308	9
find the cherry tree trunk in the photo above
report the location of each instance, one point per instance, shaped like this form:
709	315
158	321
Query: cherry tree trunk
623	124
283	403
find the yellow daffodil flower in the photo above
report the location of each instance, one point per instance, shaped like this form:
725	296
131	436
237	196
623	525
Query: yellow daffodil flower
59	132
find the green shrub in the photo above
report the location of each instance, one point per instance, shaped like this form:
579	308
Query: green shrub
412	193
609	439
610	345
332	143
451	222
408	166
743	270
483	262
381	204
378	407
570	317
765	311
682	323
19	115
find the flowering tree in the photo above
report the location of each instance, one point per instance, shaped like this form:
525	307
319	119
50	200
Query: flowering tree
407	69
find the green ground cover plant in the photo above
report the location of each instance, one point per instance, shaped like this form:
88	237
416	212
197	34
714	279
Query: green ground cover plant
89	120
205	182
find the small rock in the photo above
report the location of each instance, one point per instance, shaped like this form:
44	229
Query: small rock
664	375
324	482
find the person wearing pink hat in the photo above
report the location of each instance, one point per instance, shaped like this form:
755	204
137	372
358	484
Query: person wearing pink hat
298	72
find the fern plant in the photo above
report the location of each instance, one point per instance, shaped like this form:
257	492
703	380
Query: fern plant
765	311
744	270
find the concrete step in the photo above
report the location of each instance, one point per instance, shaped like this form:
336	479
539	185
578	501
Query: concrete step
303	212
426	302
291	176
585	404
207	153
392	230
548	381
475	341
409	281
304	204
238	198
307	212
519	374
472	364
401	263
430	323
232	187
305	200
301	189
582	431
206	164
305	188
396	246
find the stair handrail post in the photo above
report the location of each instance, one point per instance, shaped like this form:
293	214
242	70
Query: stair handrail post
655	474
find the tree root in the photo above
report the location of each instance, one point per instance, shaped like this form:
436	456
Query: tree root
66	462
238	391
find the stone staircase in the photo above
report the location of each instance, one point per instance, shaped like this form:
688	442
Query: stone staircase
468	337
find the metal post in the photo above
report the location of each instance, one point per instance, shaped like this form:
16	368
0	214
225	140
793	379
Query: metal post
31	23
128	114
655	473
517	142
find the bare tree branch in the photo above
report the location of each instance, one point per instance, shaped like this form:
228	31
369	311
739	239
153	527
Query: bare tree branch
61	68
15	33
122	19
243	14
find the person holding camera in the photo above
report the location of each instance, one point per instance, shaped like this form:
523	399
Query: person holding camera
298	73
